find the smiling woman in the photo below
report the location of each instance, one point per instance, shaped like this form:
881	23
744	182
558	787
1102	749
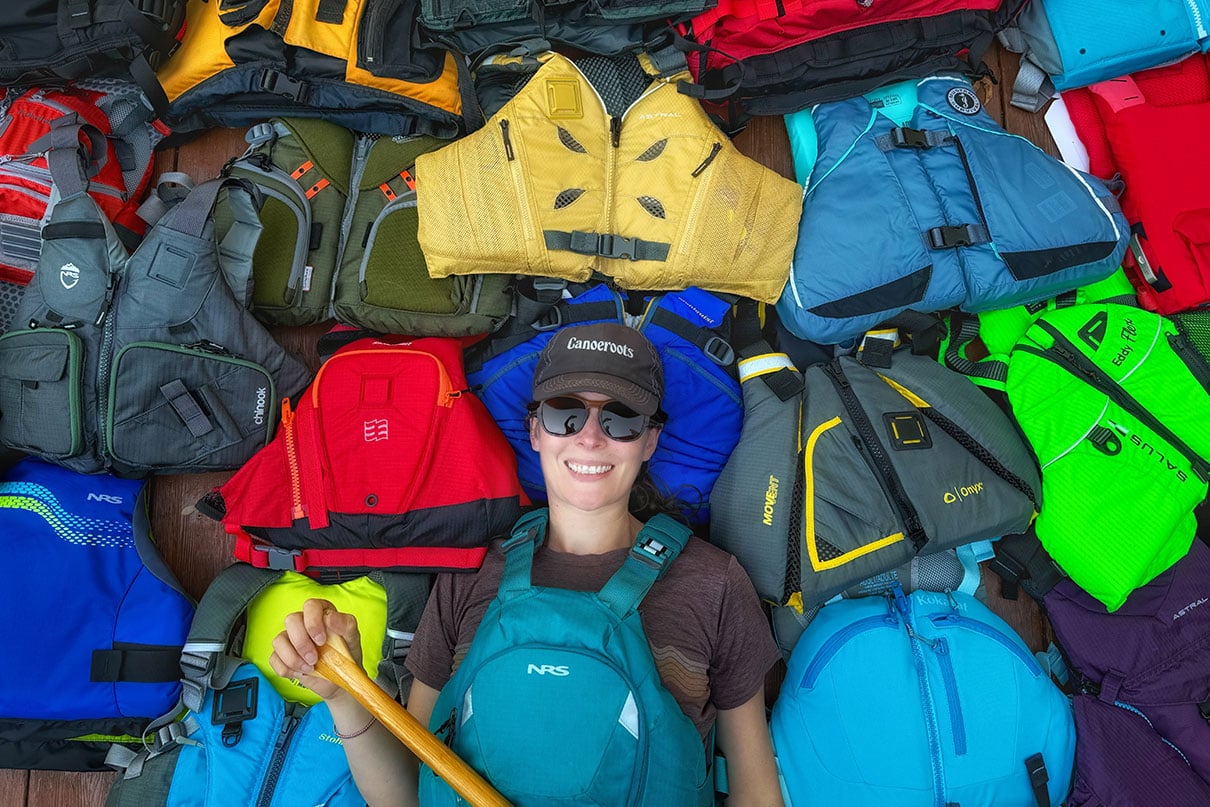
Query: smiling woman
564	691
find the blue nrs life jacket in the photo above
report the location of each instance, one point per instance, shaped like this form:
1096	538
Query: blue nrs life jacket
690	331
558	701
916	198
97	616
234	739
920	700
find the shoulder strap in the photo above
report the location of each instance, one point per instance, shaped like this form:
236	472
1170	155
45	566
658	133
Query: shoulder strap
528	534
655	547
406	595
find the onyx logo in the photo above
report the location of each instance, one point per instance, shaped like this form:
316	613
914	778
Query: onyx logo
258	416
548	669
104	497
1093	332
69	275
964	100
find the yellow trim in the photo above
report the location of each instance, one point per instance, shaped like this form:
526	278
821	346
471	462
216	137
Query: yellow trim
915	399
809	511
795	601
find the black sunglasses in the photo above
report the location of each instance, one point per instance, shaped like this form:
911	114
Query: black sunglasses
566	415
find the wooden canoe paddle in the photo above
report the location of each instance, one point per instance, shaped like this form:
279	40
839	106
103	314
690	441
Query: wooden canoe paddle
338	666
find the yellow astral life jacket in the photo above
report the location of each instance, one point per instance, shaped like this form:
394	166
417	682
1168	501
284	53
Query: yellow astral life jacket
655	197
352	62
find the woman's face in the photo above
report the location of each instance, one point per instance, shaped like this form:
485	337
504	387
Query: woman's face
588	470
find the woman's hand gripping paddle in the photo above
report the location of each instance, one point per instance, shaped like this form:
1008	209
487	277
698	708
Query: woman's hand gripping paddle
338	666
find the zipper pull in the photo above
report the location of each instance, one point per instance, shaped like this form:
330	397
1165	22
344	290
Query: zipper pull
901	602
615	131
508	144
714	150
111	286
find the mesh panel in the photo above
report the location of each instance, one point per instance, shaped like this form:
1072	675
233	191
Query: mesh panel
10	296
652	206
653	151
940	571
565	137
979	451
567	197
1195	325
825	550
396	275
619	80
793	580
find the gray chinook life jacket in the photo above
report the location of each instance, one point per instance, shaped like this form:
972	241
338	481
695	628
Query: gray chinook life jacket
144	361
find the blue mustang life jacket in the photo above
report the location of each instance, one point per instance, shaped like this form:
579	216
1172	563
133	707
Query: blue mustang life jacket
99	619
916	198
701	393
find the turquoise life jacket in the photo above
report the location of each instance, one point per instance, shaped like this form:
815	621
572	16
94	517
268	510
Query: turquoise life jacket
558	701
916	198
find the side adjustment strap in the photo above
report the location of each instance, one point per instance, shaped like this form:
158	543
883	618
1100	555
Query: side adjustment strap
606	245
1038	777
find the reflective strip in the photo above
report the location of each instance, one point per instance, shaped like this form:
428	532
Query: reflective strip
629	718
763	364
467	708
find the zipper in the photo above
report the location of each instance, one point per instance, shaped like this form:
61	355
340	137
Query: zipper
927	704
1067	356
361	153
953	620
278	760
867	439
838	640
33	173
970	180
403	201
517	171
615	138
103	375
950	681
688	241
446	394
1198	21
287	427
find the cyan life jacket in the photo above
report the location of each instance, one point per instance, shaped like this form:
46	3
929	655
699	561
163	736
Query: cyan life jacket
144	361
701	394
559	702
1074	43
234	737
98	617
916	198
920	700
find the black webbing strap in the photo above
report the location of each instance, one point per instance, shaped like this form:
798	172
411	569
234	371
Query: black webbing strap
1038	777
331	11
145	665
705	339
1022	561
186	407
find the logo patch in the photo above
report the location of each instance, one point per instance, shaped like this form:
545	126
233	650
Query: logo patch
69	275
548	669
959	492
375	430
964	100
258	415
1093	331
104	497
770	501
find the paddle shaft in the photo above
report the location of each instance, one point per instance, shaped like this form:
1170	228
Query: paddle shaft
338	666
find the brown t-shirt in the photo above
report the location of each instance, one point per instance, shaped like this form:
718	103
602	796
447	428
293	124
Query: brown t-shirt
703	620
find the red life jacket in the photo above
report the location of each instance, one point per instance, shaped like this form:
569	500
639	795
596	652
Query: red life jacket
1134	126
777	56
386	461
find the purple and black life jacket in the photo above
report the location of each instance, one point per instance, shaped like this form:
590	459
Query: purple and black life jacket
1141	677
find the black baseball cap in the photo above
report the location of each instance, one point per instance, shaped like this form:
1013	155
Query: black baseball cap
606	357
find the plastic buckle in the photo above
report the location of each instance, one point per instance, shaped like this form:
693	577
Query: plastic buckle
279	83
610	245
651	552
951	236
260	133
232	706
719	351
278	559
550	320
549	289
905	138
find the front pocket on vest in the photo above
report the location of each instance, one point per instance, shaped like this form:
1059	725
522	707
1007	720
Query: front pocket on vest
40	392
177	407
